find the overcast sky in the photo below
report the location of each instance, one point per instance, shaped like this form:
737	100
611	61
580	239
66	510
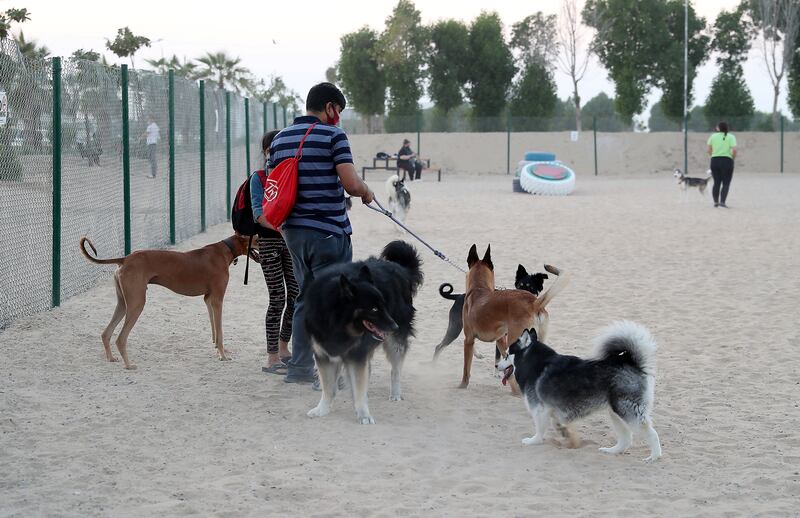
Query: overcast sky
305	33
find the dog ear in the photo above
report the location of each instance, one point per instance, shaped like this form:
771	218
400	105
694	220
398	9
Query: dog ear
346	287
487	257
521	272
534	336
524	340
365	274
472	257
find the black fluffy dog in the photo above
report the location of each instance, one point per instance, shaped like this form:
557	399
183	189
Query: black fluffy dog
353	308
533	283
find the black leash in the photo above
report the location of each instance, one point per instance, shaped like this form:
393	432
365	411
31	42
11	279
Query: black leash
436	252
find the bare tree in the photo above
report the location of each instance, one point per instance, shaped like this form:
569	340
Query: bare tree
575	51
777	22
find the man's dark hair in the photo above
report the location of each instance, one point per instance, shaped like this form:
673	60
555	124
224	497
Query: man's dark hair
406	141
322	94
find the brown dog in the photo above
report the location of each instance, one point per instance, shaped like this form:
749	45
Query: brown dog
500	316
198	272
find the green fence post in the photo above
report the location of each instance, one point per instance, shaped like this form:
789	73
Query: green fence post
275	114
508	142
171	108
284	117
264	112
228	151
247	136
419	124
56	279
781	143
594	132
202	155
126	162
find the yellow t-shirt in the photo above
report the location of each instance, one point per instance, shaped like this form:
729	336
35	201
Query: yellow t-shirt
721	144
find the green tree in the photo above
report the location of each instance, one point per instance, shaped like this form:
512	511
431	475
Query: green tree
670	59
730	97
640	42
186	68
360	74
126	44
448	64
491	72
535	39
9	16
86	55
534	99
402	49
332	74
794	80
226	71
30	49
603	108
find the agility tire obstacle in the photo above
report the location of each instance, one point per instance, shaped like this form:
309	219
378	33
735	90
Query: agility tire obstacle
538	156
549	178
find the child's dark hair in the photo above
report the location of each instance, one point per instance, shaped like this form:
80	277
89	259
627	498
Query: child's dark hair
322	94
723	127
266	141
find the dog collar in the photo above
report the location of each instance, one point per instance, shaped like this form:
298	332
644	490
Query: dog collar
229	243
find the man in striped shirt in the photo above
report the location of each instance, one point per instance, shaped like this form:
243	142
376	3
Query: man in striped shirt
317	232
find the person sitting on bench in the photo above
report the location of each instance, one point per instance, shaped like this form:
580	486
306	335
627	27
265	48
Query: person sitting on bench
407	161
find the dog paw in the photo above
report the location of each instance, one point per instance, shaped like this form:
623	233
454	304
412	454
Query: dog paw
651	459
113	359
397	397
319	411
131	367
477	355
529	441
612	450
365	420
463	385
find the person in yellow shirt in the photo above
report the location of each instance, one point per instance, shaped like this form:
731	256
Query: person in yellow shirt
722	149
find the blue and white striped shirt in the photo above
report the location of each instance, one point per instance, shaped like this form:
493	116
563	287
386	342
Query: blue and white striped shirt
320	195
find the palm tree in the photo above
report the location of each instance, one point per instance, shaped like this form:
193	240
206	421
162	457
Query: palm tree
186	69
225	71
30	49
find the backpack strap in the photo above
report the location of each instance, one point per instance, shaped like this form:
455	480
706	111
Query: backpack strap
299	153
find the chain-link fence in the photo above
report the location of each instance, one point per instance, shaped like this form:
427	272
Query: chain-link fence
66	170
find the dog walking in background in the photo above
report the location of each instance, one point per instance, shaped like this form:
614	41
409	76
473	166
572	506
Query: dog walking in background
688	182
399	198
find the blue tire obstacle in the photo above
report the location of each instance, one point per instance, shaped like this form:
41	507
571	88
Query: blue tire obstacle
537	156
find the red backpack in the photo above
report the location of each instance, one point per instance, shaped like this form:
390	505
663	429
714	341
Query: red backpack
280	190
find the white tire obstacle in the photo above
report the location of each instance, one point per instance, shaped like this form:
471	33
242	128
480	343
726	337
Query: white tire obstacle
550	178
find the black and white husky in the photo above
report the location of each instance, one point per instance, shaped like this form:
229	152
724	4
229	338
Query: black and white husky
354	308
399	197
687	182
620	377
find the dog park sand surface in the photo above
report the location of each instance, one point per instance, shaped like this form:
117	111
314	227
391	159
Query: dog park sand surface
187	434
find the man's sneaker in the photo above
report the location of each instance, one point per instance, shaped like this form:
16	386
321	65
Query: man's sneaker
300	379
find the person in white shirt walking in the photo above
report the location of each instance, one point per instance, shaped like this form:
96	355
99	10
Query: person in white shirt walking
152	134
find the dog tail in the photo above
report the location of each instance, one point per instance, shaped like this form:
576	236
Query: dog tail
85	240
554	289
446	291
626	337
390	191
405	255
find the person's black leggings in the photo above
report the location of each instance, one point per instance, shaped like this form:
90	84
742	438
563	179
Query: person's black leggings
277	266
722	171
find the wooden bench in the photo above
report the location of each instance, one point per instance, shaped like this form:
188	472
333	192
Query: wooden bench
386	167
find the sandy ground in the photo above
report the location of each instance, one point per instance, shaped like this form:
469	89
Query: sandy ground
187	434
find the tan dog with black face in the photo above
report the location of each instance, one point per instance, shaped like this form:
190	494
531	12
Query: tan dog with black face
500	316
197	272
